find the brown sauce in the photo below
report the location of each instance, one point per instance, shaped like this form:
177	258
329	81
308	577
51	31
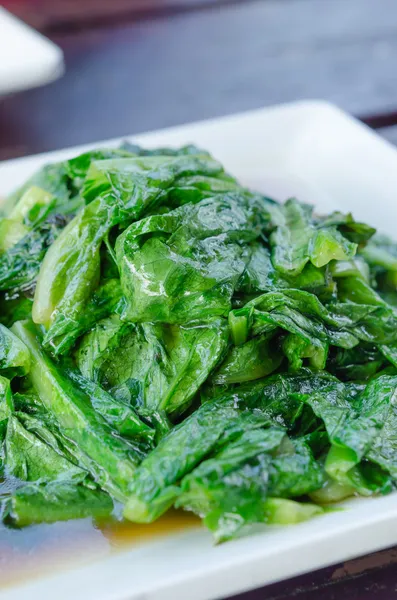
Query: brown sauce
44	549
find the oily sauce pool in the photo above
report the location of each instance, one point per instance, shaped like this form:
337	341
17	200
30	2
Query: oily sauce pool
42	549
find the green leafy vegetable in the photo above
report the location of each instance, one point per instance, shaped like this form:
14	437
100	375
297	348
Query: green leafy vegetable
170	338
197	248
354	435
106	299
159	367
58	501
253	360
279	511
6	410
119	415
154	484
14	355
110	460
119	191
229	490
52	178
298	239
29	458
342	324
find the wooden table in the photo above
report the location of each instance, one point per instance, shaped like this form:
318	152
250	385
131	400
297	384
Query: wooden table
136	66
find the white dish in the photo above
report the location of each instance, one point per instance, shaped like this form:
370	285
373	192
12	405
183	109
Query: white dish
27	59
313	150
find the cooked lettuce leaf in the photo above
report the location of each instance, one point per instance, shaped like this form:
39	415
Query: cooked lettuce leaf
180	340
230	490
30	458
253	360
298	239
153	488
118	191
155	366
14	355
341	324
198	249
111	460
56	501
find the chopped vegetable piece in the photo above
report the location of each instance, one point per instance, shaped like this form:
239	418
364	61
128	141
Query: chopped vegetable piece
110	459
155	366
51	502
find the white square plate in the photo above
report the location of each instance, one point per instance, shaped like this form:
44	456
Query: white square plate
322	155
27	59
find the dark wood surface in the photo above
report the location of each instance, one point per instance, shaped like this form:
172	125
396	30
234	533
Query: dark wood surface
371	577
136	66
152	73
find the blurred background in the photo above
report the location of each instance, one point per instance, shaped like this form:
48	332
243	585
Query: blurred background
136	65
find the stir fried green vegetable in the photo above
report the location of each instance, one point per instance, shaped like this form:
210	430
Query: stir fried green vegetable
170	338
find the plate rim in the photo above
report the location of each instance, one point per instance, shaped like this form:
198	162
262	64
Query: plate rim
381	524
